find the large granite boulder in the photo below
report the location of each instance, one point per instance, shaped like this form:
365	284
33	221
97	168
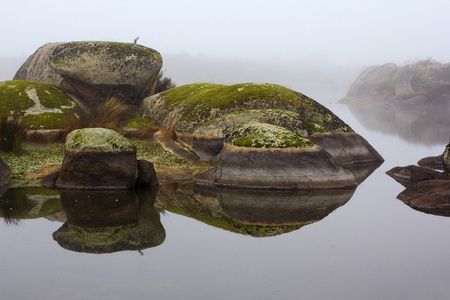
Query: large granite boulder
201	115
40	105
265	156
99	158
38	67
94	71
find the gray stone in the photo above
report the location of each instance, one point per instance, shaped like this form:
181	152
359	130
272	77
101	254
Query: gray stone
98	158
95	71
375	81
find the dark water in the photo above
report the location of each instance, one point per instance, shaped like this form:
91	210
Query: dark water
182	243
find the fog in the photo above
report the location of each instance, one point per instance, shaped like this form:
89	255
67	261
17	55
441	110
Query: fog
305	45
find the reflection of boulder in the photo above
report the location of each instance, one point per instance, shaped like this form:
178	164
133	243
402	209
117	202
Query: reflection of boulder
95	70
28	203
109	221
259	213
418	123
40	105
273	208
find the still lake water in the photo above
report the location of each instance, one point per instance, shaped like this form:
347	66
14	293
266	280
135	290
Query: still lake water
369	246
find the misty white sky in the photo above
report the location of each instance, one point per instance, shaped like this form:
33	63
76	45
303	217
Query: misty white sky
338	31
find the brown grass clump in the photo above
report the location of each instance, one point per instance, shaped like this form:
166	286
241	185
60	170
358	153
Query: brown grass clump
12	134
109	114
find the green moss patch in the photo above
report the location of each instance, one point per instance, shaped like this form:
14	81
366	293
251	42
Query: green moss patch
40	104
97	139
263	135
193	105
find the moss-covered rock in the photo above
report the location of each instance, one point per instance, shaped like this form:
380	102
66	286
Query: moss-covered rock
98	70
41	105
100	139
192	105
98	158
263	135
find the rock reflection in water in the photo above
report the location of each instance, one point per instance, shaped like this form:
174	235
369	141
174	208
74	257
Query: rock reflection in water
29	203
255	213
414	122
110	221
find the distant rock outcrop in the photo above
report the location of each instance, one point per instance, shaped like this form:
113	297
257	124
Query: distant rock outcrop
427	79
412	101
263	126
95	71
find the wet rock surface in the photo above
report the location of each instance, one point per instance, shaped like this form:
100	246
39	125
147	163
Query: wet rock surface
427	189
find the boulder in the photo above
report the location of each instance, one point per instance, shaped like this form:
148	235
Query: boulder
265	156
38	67
146	174
431	196
432	162
40	105
94	71
375	81
98	158
411	175
200	115
425	80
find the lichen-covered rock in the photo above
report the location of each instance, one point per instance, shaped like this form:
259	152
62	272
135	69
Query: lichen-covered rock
263	135
41	105
202	114
98	158
38	67
190	106
94	71
98	70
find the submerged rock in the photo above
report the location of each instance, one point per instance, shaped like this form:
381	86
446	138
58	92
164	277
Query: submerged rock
41	105
427	189
272	124
94	71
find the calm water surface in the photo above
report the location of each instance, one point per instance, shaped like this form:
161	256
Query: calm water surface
365	244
